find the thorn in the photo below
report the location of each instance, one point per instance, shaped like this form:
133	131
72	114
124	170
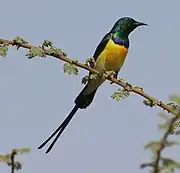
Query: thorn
128	87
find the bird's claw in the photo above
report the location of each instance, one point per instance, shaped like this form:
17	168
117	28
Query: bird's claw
115	76
91	62
109	74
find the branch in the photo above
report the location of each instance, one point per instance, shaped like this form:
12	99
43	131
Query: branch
158	146
9	158
164	142
62	57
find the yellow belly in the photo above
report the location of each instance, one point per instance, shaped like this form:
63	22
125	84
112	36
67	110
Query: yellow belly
112	58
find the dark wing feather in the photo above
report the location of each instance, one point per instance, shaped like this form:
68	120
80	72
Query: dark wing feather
101	45
82	100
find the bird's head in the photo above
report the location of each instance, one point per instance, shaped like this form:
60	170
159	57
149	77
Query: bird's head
126	25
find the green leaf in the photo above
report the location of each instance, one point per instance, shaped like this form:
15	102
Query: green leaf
35	51
3	50
149	103
120	94
164	126
175	126
173	105
18	39
93	76
70	69
64	54
137	87
154	146
17	165
166	169
54	50
172	143
84	80
170	163
22	150
163	115
175	98
47	43
5	158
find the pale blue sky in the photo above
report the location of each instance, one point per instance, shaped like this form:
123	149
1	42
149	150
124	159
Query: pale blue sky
36	95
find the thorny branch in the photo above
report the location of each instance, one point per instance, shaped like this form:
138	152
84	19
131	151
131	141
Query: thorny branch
163	142
86	67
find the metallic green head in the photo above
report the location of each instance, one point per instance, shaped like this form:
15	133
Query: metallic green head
125	26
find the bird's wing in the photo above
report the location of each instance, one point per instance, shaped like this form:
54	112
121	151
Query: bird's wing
101	46
86	96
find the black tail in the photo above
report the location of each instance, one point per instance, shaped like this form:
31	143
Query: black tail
59	130
82	101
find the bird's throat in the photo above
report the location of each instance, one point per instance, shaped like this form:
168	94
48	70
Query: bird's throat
121	41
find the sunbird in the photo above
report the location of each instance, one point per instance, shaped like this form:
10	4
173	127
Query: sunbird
109	55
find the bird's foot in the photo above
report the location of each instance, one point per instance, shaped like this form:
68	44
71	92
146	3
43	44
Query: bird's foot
91	62
107	74
111	74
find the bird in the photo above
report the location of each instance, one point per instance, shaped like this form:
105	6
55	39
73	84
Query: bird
109	55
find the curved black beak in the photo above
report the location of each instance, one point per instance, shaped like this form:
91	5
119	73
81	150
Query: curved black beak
140	24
